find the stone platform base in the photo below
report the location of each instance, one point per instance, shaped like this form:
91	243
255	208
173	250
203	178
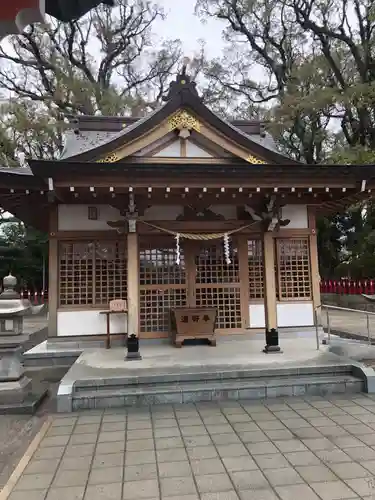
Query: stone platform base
17	396
26	407
62	352
235	369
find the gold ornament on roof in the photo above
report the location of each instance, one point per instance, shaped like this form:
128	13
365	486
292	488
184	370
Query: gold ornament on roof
184	120
111	158
255	161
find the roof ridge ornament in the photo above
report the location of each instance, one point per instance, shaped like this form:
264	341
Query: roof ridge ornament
182	83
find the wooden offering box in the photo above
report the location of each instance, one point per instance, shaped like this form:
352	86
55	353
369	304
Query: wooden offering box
193	323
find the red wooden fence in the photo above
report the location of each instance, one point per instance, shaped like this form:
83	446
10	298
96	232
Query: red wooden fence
348	287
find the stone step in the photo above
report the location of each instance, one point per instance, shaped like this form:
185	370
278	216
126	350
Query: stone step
214	390
229	373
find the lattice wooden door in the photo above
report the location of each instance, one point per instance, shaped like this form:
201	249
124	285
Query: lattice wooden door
162	287
217	284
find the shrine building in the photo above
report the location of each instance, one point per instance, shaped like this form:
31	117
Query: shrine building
179	209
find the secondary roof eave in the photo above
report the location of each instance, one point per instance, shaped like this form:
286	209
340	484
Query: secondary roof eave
20	177
44	169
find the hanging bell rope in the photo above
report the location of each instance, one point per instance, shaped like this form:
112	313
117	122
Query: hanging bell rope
197	236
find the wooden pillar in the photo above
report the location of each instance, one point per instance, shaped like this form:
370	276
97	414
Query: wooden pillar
314	265
270	305
53	272
244	280
133	295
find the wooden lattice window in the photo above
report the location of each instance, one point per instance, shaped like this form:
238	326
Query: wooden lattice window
218	284
92	273
255	263
158	266
162	287
227	302
212	267
156	305
293	263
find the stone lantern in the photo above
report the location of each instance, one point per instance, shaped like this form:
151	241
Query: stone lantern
13	308
15	388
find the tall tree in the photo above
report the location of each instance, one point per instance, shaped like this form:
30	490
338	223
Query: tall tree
311	64
108	62
102	63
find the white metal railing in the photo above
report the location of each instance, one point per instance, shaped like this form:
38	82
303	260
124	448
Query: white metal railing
328	308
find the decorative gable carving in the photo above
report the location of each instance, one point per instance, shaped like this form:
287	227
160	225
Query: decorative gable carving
255	161
111	158
183	120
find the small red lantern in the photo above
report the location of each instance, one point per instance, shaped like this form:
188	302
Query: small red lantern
17	14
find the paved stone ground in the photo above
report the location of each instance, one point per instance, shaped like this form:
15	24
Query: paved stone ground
17	431
290	449
350	322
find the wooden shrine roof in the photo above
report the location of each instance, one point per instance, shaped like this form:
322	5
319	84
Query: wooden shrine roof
85	132
253	168
96	137
310	174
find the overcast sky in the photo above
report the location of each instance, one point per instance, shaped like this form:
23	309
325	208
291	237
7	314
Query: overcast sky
183	24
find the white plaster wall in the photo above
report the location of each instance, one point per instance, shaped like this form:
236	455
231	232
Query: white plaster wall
70	323
288	314
295	314
257	318
75	218
297	215
150	147
172	151
194	151
166	212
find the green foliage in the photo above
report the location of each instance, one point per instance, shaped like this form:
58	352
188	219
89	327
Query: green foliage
307	67
23	252
310	65
107	63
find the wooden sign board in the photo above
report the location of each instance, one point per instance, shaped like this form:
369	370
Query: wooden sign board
118	305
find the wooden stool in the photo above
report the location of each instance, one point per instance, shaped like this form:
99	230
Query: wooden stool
117	306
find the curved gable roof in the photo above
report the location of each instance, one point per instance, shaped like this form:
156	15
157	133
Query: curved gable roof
184	98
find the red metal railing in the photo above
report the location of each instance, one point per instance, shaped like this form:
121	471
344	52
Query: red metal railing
341	287
348	287
36	297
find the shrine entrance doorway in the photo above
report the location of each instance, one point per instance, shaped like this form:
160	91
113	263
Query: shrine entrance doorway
214	283
202	279
162	285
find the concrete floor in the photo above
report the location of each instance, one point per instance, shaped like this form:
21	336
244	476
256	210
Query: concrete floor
235	349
